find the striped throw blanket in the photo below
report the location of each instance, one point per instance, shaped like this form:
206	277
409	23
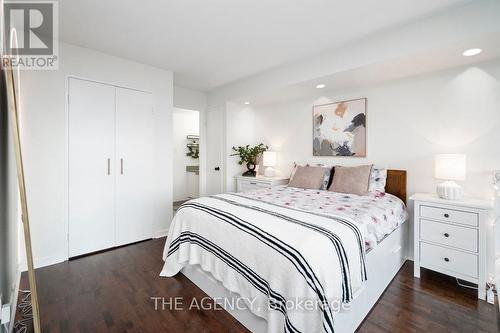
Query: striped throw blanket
294	268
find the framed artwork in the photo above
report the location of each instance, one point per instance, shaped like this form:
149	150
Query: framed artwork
339	129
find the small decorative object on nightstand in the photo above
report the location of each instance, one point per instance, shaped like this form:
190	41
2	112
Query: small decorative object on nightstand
450	237
244	184
449	167
249	156
269	161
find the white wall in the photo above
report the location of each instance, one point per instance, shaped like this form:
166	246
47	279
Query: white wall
240	131
43	132
408	121
185	122
190	99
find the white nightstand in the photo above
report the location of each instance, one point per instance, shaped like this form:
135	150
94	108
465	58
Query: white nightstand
253	183
450	237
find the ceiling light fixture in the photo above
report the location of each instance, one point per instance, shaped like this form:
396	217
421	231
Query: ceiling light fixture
471	52
320	86
247	103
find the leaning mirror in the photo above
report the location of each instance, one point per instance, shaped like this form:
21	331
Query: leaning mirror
11	111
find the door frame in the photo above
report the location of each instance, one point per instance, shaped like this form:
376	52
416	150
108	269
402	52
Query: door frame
66	148
202	179
202	188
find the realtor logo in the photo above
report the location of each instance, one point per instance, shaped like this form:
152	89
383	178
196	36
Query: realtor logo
31	30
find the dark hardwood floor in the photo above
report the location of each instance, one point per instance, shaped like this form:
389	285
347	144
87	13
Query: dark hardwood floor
111	292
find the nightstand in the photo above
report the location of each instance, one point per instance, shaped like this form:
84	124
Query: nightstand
253	183
450	237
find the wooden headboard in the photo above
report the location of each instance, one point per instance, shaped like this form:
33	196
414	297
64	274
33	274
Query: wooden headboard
396	183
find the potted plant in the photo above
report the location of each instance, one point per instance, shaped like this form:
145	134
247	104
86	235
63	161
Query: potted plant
250	156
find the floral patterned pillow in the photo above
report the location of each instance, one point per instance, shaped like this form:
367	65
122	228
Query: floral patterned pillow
378	178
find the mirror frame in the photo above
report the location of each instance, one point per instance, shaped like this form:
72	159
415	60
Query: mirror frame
13	110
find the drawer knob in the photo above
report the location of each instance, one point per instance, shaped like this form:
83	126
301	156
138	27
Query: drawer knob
447	259
446	215
446	235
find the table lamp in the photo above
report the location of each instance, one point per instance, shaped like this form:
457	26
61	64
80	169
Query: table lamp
269	161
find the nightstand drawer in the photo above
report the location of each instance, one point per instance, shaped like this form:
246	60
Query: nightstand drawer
450	215
450	235
244	186
448	259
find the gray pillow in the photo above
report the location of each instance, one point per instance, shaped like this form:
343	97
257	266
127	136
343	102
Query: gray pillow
308	177
352	180
326	178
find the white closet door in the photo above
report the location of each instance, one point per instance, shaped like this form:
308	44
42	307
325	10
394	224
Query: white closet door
134	130
91	159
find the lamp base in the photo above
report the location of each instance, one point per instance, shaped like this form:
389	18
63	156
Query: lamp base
449	190
269	172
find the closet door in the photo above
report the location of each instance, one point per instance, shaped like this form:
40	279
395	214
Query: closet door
91	159
134	128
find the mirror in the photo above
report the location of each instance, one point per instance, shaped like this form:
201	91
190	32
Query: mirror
10	95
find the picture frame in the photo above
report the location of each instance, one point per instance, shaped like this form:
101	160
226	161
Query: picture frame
339	128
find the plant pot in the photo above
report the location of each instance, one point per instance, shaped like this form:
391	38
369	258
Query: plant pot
250	170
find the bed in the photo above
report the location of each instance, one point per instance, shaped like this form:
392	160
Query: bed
291	260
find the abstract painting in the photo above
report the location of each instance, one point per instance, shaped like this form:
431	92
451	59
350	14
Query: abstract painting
340	128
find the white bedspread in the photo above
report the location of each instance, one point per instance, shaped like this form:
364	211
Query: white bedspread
376	214
276	255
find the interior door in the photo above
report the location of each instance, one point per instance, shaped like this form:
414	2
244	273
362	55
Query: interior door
215	136
91	158
134	127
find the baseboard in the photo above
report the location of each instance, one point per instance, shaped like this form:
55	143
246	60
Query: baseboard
160	233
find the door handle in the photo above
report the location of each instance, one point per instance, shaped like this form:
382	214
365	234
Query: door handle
121	166
217	168
109	166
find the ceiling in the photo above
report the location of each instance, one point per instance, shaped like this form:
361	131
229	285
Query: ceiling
449	56
211	43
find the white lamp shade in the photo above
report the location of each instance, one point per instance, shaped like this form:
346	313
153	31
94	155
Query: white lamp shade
450	166
269	158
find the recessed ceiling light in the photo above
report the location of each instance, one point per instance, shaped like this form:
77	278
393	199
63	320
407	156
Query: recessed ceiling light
471	52
320	86
247	103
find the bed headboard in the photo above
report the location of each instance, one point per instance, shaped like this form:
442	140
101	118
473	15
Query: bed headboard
396	183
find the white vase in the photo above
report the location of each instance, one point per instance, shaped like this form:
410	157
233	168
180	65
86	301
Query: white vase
269	172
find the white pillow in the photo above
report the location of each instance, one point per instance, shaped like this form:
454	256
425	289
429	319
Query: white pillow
378	178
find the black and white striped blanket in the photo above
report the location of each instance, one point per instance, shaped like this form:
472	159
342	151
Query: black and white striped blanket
294	268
